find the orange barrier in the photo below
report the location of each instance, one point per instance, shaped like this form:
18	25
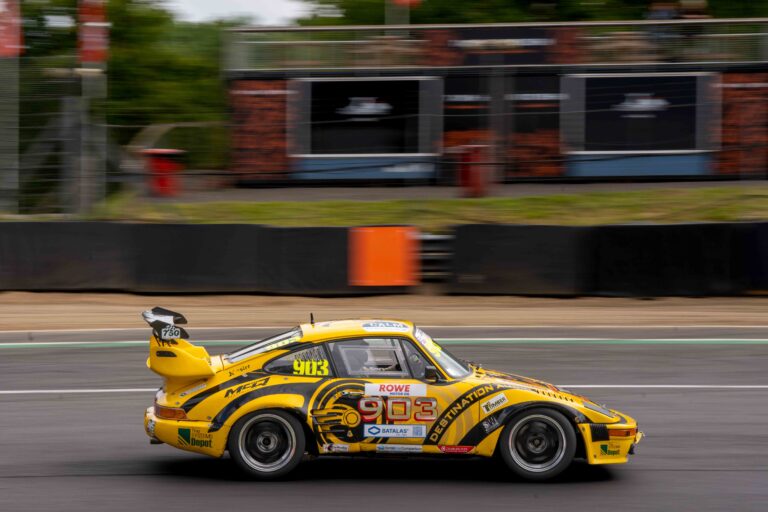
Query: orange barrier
384	256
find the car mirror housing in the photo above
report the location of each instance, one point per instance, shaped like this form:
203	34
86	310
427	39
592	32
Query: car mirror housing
431	374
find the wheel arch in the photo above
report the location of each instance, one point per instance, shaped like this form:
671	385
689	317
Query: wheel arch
573	416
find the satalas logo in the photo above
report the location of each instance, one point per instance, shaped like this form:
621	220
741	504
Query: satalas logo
187	439
606	450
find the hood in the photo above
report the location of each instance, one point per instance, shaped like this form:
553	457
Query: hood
593	411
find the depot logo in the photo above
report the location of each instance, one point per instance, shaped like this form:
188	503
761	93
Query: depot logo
187	438
395	389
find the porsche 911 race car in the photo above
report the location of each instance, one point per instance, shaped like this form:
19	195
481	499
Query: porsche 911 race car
366	387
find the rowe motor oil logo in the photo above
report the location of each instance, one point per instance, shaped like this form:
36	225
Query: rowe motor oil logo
395	389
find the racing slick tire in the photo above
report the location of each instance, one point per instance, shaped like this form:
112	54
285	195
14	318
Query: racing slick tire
267	444
538	444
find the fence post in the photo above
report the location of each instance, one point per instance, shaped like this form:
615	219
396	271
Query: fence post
9	134
70	184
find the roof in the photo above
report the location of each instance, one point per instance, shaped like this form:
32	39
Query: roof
360	327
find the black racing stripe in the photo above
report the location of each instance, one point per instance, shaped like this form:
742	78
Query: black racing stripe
304	389
490	424
240	379
446	412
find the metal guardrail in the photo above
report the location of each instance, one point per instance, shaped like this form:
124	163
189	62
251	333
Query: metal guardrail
553	43
436	256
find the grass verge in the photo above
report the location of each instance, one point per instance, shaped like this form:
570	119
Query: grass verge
655	206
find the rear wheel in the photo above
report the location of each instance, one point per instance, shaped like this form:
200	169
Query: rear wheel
267	444
538	444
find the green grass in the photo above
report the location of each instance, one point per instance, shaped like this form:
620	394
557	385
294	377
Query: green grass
653	206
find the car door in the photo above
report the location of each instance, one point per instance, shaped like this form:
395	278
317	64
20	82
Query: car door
398	408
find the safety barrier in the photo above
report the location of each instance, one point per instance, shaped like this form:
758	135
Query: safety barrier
614	260
204	258
521	260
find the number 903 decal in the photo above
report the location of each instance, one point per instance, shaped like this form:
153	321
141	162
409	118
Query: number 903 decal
310	368
398	409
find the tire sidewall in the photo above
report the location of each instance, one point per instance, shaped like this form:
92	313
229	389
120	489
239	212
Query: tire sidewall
235	449
568	452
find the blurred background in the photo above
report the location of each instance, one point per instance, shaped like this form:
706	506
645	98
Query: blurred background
467	165
428	115
107	105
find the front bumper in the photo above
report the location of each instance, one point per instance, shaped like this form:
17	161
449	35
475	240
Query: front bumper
602	446
187	435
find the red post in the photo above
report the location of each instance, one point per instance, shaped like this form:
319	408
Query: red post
473	175
164	166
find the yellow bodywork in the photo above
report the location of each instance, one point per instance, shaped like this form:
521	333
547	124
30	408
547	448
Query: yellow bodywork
463	416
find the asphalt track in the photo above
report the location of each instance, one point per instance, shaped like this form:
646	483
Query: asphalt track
700	394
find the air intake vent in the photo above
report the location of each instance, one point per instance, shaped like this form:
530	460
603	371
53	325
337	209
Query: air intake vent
599	432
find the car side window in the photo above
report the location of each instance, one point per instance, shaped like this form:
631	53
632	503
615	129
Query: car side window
416	360
369	357
310	362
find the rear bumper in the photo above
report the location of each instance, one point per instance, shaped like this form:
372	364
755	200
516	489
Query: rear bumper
187	435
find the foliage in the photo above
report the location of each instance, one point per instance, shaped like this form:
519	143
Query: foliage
365	12
657	205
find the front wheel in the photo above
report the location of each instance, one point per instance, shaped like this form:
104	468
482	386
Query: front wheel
538	444
267	444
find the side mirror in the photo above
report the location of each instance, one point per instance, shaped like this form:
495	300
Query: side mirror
431	374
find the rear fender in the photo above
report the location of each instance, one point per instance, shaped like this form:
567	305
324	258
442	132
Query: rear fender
291	403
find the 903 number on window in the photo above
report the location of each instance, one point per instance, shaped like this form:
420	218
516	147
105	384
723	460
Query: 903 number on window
310	368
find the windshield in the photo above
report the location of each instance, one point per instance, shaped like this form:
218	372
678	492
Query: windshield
265	345
452	365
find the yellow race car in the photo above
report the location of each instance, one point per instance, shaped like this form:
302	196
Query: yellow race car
366	386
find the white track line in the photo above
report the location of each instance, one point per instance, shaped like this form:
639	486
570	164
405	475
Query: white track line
470	341
73	391
288	325
565	386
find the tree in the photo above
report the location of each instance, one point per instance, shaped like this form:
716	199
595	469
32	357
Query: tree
371	12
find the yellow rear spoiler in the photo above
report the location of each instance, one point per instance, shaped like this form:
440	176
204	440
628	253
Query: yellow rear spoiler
170	355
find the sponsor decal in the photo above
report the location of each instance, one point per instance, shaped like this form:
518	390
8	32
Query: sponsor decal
459	406
490	424
398	448
455	449
279	344
242	369
428	343
192	389
494	403
610	449
193	438
380	430
151	428
395	389
248	386
335	448
384	326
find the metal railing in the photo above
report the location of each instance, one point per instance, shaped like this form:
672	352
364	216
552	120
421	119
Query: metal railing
553	43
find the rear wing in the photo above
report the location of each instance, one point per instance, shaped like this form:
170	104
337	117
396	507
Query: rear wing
164	323
170	354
